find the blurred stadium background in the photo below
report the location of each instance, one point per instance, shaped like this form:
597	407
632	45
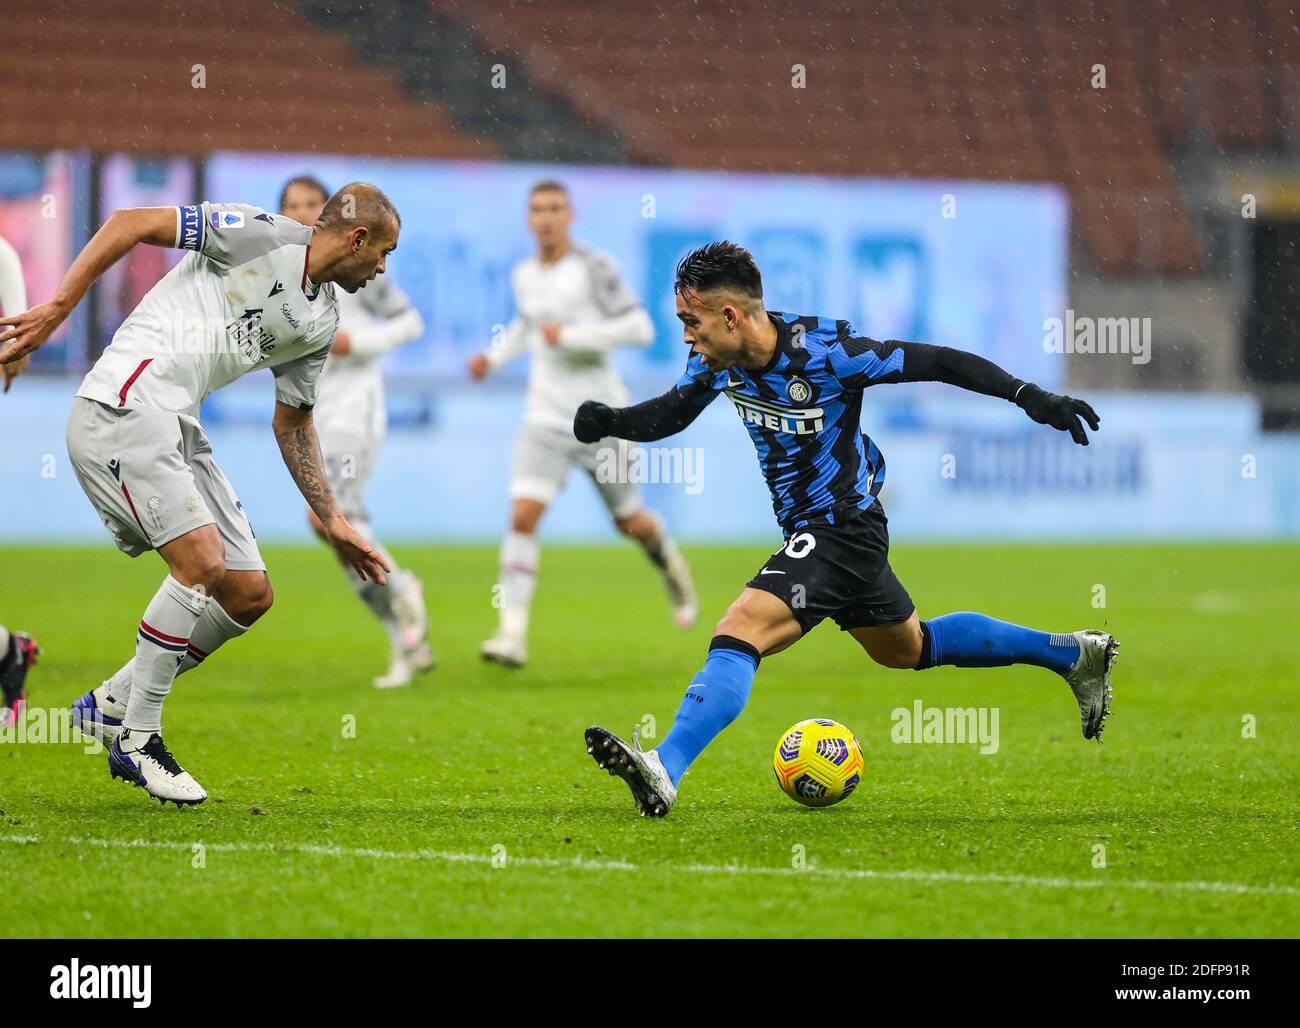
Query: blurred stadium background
958	171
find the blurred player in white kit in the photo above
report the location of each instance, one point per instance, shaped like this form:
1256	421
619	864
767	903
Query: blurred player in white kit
574	310
18	650
351	420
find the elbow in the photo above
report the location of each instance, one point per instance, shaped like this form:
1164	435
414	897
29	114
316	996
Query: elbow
287	420
414	325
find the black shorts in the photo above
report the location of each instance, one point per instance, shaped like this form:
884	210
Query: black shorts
840	572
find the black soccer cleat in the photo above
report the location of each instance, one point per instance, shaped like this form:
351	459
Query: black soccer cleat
652	790
14	666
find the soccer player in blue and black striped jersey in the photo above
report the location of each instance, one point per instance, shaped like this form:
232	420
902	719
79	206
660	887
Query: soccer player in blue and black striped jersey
797	384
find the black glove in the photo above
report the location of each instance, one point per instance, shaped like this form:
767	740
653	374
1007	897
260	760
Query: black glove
1059	411
593	422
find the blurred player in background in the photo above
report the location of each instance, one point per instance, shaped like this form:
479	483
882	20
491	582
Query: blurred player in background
797	384
574	310
351	420
258	291
13	298
18	652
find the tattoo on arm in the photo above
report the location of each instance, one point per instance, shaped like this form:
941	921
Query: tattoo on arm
302	456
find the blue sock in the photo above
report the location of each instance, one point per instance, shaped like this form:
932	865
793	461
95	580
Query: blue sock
977	640
715	698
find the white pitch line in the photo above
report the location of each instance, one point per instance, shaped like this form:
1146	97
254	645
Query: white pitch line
444	856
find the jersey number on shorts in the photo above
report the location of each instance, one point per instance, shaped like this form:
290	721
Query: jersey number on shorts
800	545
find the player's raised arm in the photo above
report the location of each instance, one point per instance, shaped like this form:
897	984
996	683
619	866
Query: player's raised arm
859	362
296	434
631	328
27	331
624	321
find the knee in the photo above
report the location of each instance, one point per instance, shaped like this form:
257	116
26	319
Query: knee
901	652
898	659
203	569
627	525
738	622
250	598
524	518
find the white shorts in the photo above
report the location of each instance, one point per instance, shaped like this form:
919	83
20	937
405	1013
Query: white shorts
543	457
151	477
349	463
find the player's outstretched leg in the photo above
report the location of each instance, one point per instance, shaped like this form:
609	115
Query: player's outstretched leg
648	529
18	652
758	623
965	639
716	696
99	713
520	556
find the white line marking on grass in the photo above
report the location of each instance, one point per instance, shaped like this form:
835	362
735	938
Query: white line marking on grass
1104	881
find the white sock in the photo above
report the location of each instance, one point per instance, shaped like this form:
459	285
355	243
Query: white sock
213	630
379	598
161	642
519	560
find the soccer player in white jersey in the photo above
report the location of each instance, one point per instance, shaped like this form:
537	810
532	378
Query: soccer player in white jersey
351	420
258	291
574	310
13	298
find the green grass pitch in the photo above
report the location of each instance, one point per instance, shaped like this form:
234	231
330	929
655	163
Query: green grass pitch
399	830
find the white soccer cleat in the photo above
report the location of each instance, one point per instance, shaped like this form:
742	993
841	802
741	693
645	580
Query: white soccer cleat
404	665
681	591
643	772
152	767
1089	679
508	650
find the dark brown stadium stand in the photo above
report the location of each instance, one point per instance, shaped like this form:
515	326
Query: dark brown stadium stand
940	88
916	88
116	75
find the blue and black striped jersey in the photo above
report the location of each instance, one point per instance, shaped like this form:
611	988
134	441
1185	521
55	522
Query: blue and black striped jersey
802	410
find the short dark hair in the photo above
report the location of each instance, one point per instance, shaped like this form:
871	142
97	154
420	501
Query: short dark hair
720	265
310	181
358	203
548	185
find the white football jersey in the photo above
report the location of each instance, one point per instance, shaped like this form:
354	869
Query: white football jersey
13	291
377	318
585	294
241	301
